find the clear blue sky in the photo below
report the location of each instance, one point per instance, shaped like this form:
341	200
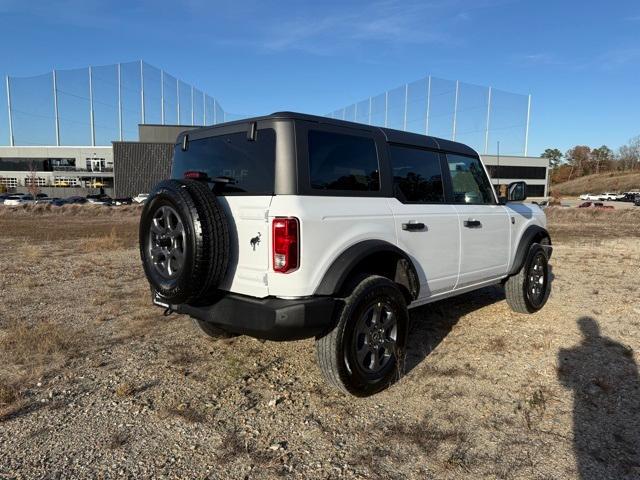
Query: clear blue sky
579	59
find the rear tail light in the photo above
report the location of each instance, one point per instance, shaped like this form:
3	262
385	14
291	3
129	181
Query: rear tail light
193	175
286	244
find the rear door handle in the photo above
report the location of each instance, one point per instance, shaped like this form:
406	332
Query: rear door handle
472	223
413	226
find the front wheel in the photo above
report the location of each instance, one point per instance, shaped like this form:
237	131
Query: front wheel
529	289
361	354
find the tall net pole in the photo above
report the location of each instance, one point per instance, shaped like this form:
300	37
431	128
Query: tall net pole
91	117
120	100
142	91
426	127
162	97
11	142
526	132
486	130
55	109
455	111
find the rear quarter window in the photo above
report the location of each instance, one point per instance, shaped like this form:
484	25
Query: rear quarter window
249	165
343	162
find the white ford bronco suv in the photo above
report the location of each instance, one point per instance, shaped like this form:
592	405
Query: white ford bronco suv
291	226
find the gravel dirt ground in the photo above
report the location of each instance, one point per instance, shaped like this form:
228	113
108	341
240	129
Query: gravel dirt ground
97	383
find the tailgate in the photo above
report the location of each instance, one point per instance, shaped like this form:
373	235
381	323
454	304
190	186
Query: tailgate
247	217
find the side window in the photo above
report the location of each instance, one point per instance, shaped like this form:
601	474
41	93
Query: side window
417	177
470	183
342	162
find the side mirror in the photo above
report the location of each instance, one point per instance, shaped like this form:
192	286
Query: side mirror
517	192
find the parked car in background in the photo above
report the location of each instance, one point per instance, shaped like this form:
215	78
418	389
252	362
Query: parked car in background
589	196
636	202
99	199
628	197
141	198
122	201
3	197
46	200
18	199
76	200
609	196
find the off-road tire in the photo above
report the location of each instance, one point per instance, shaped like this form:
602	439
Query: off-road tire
516	287
206	240
334	350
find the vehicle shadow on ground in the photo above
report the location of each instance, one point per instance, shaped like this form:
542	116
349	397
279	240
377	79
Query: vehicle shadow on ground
430	324
604	379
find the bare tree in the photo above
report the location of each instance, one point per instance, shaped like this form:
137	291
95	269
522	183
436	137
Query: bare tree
32	180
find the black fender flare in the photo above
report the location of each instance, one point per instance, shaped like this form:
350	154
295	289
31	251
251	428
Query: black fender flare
533	234
334	278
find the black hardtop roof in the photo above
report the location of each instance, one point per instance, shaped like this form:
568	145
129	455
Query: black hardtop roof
392	136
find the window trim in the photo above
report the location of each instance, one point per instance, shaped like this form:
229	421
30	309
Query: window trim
304	177
486	174
445	196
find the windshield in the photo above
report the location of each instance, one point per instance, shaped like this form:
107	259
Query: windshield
240	165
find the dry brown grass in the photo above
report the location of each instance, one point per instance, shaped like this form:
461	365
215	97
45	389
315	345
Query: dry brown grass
35	224
40	344
8	394
589	223
70	210
31	252
109	242
11	399
603	182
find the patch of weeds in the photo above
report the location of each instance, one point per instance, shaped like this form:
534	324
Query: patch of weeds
497	344
118	440
8	394
461	455
236	367
102	244
425	435
125	389
39	343
453	371
182	357
11	401
183	411
532	408
235	445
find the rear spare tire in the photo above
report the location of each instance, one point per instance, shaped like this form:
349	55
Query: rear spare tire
184	241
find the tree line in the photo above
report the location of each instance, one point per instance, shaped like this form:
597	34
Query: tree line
583	160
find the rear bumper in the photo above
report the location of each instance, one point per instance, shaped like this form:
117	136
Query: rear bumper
267	318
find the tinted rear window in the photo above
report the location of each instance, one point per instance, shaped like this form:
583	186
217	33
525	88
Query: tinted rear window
417	176
342	162
250	165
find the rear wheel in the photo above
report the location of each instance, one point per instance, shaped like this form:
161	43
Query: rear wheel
529	289
362	353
